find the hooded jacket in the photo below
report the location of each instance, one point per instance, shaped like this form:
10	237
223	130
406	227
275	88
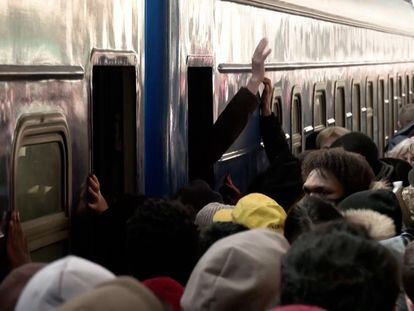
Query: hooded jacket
59	282
402	134
240	272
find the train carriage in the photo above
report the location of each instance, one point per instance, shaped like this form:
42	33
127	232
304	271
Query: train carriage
126	89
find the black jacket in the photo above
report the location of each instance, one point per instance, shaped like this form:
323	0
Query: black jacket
282	180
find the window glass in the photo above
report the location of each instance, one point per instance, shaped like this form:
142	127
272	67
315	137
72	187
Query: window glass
340	106
277	108
356	106
382	111
38	180
393	100
296	124
319	115
369	111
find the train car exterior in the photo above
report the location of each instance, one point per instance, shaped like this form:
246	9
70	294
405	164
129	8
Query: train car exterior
58	61
115	87
330	65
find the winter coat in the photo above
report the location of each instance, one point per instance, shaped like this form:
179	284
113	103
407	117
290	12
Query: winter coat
402	134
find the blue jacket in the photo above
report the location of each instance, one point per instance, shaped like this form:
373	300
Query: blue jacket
402	134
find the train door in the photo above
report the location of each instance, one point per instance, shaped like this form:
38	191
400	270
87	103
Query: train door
200	117
114	127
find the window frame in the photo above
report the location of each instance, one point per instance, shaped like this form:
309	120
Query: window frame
356	111
278	97
382	104
320	87
344	117
393	103
42	128
296	137
370	120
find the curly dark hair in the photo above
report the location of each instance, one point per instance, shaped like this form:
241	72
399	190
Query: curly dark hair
306	214
162	240
351	169
338	268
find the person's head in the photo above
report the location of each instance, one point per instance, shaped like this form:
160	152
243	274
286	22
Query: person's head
161	240
406	116
306	214
217	231
60	281
338	268
404	151
327	136
167	290
12	286
197	194
204	217
384	202
408	271
121	294
360	143
240	272
334	174
253	211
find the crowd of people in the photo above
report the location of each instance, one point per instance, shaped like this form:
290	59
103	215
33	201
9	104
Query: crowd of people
330	229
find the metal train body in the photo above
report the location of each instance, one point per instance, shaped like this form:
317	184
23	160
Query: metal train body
338	64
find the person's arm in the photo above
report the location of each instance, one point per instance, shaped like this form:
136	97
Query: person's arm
235	116
17	250
274	138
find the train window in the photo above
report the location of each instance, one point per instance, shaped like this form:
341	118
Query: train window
114	129
340	119
407	89
400	93
393	99
41	182
38	185
319	107
382	122
356	106
200	120
278	103
296	121
369	112
411	92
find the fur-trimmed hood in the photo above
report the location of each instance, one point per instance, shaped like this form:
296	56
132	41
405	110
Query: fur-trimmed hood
379	226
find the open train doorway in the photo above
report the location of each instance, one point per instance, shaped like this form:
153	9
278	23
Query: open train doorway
114	130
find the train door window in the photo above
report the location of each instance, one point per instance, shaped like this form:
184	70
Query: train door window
41	181
296	121
393	100
200	121
382	106
356	106
340	119
411	92
114	129
319	107
278	103
369	109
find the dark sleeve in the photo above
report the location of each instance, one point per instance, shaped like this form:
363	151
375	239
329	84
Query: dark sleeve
230	123
274	139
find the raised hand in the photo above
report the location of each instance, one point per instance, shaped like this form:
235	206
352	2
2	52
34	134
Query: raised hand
17	250
96	202
266	99
260	54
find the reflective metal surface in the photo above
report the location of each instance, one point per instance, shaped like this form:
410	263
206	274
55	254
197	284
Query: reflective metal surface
45	52
229	31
